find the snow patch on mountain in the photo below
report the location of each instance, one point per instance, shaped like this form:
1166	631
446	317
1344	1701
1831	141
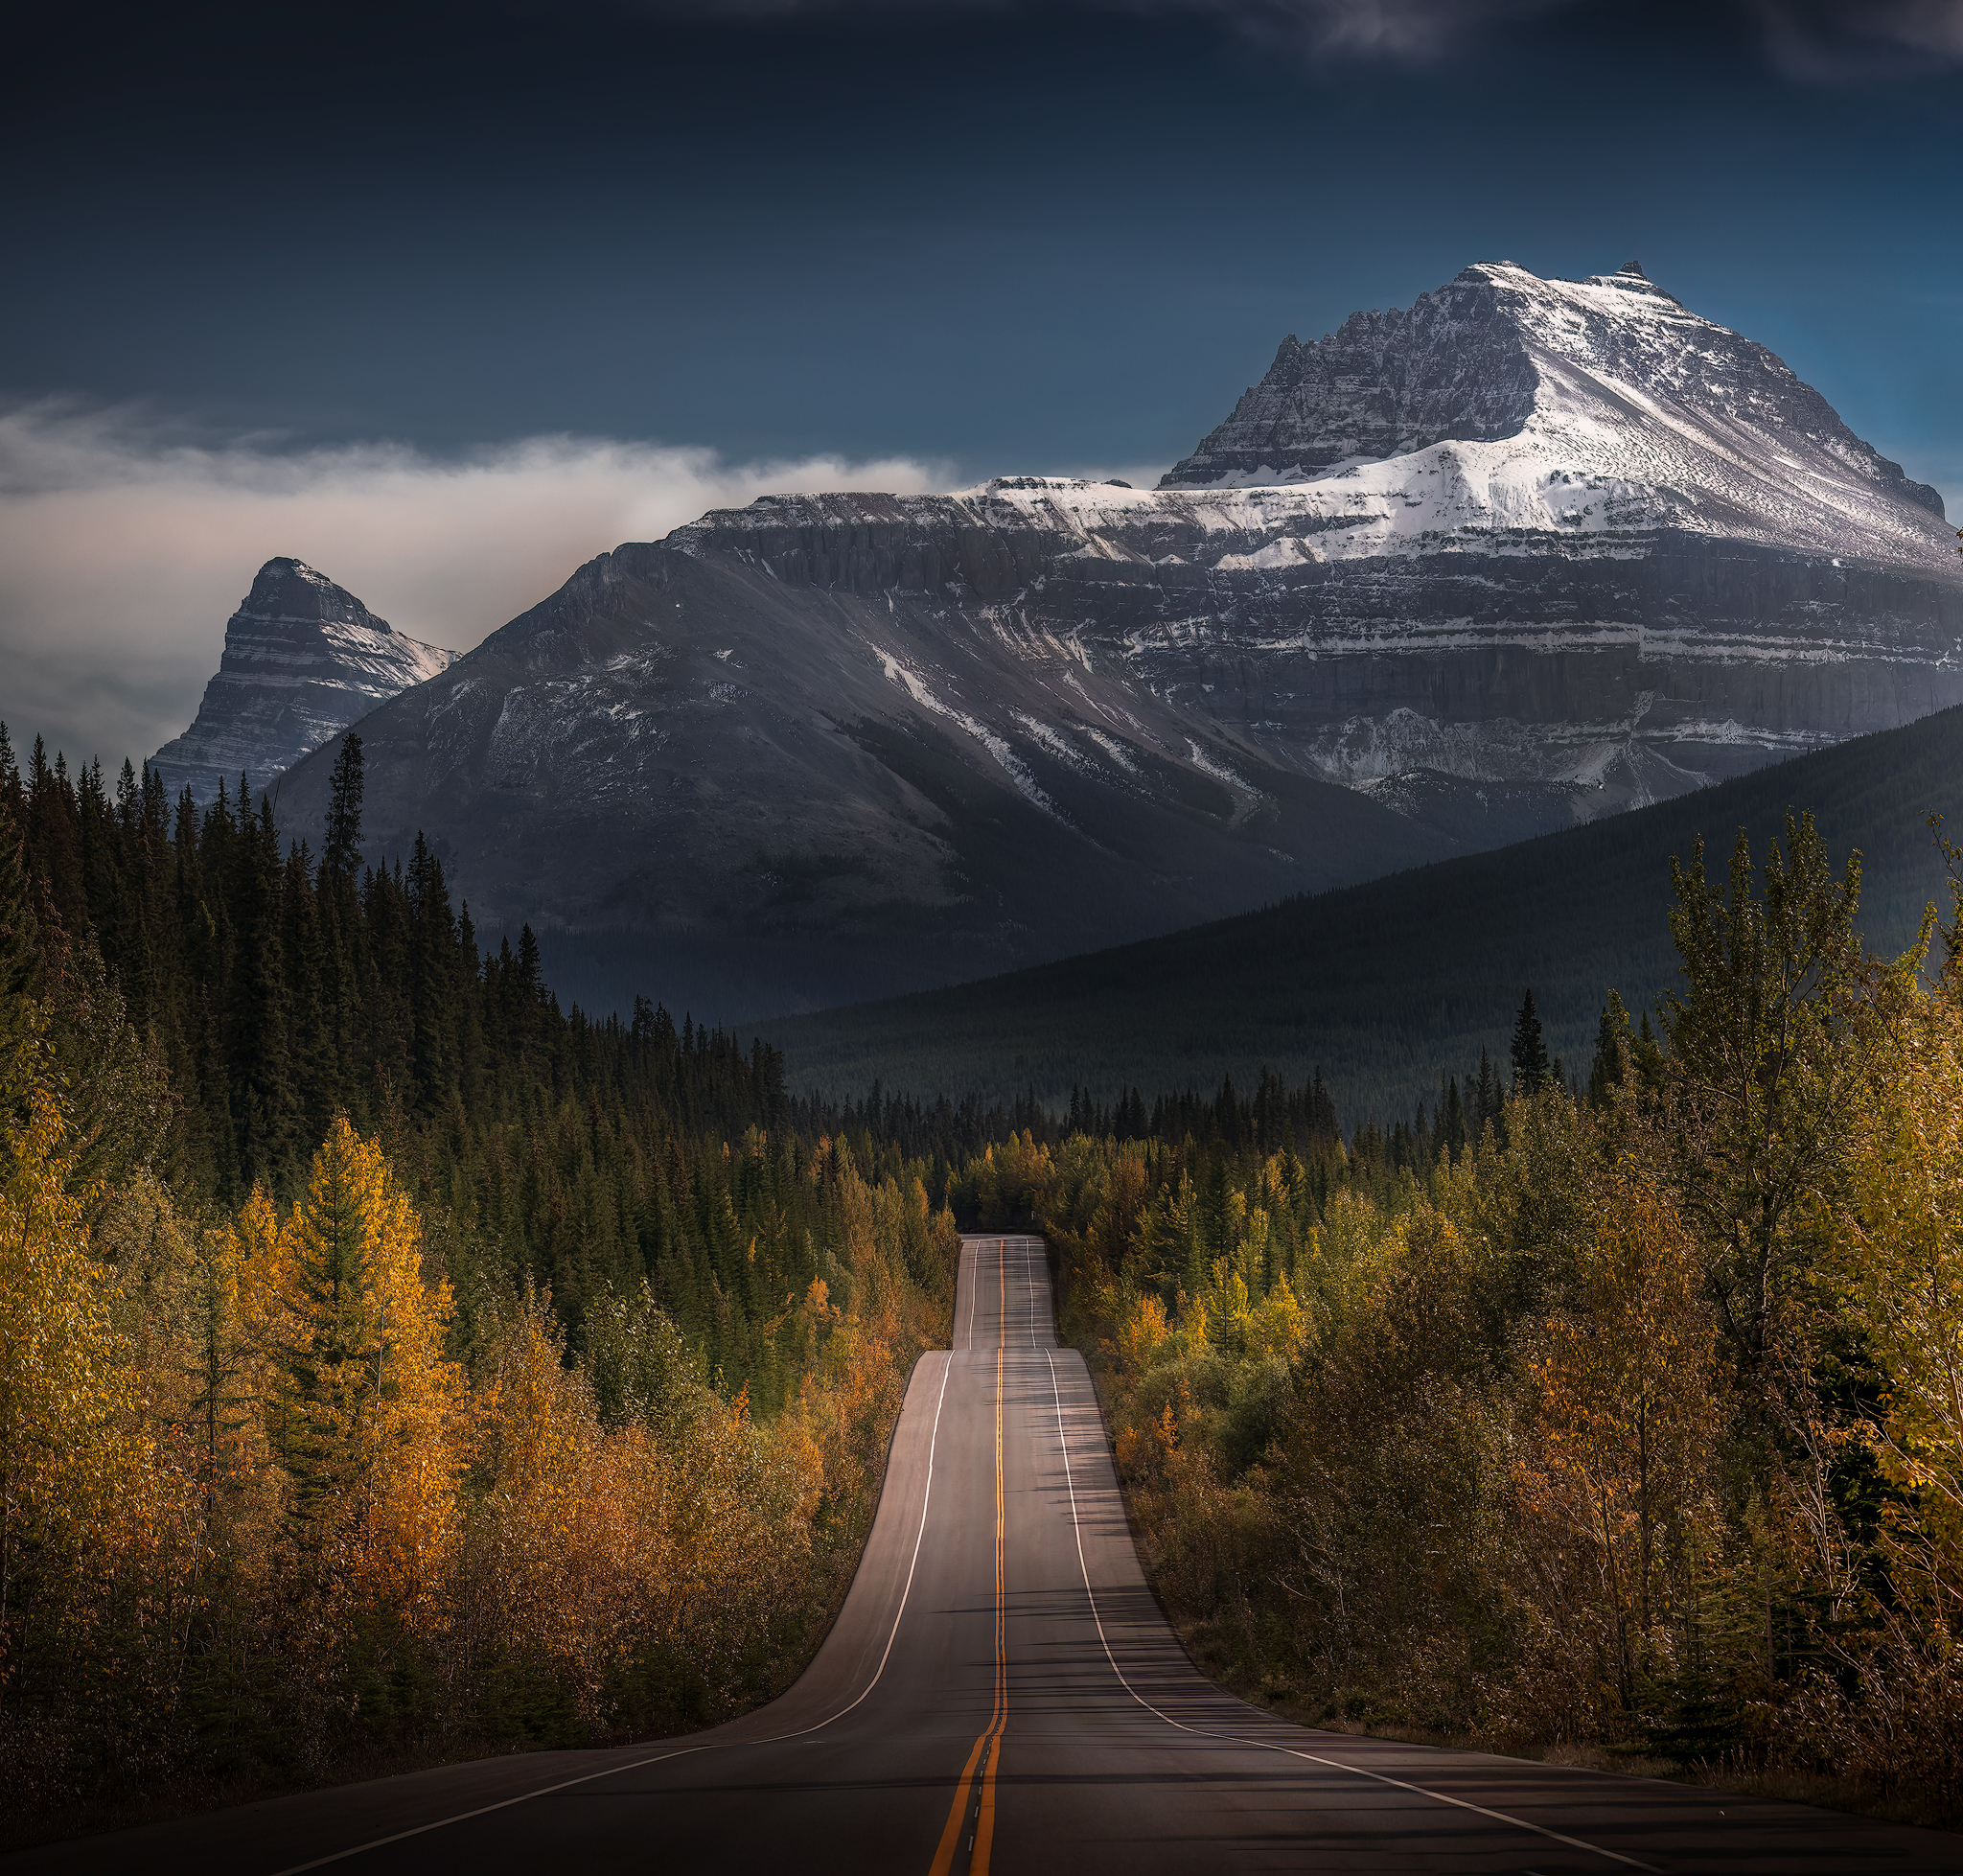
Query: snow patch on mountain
998	745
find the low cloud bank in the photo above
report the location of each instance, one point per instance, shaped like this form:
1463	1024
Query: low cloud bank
124	549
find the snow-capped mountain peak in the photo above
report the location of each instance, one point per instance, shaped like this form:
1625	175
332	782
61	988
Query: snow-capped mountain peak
1601	406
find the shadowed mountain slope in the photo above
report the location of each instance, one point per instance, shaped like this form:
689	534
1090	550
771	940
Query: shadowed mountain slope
745	788
1388	984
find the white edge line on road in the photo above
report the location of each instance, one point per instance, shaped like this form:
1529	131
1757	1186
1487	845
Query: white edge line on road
684	1752
1268	1745
974	1280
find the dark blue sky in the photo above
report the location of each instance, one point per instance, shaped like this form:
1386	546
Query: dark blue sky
1009	237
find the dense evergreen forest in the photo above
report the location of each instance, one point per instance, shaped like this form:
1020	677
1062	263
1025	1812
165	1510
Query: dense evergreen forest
391	1364
1632	1418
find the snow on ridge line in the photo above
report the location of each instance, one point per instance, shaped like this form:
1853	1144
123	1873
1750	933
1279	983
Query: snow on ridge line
1567	477
1570	483
1589	413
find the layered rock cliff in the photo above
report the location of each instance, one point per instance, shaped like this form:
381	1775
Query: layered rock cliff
303	659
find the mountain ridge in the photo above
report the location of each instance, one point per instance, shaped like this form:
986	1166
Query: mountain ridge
1387	985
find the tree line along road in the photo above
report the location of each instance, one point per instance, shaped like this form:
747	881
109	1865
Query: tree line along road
1001	1693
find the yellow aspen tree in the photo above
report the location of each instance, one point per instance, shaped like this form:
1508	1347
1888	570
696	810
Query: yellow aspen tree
544	1593
1902	1264
89	1522
1626	1420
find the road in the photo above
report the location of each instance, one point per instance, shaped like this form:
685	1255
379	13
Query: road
1001	1693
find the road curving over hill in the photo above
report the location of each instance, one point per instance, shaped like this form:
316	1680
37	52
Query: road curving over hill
1001	1693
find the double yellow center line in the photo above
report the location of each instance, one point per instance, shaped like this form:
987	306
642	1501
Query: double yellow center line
988	1747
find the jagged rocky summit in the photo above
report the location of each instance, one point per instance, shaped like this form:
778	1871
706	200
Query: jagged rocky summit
1611	375
303	659
1528	553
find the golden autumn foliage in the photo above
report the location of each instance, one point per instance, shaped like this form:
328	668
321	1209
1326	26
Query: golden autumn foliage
1622	1423
392	1365
1900	1260
368	1417
96	1551
1634	1422
596	1550
243	1478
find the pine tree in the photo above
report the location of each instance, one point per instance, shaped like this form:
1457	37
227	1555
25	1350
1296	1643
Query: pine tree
1453	1119
1531	1066
268	1112
1614	1044
17	939
343	853
1487	1103
435	993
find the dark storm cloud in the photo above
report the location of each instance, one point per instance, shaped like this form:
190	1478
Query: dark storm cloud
1395	29
1815	41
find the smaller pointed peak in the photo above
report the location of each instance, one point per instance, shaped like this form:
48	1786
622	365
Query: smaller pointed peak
1633	269
286	588
283	568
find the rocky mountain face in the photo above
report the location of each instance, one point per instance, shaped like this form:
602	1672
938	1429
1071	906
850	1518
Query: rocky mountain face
1499	354
779	763
1528	553
303	659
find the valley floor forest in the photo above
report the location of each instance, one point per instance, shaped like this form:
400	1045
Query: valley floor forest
395	1367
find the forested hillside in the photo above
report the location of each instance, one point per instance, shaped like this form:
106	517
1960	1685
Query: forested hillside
1388	986
1629	1421
392	1365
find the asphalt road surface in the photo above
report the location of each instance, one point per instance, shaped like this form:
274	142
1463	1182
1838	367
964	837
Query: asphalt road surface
1001	1692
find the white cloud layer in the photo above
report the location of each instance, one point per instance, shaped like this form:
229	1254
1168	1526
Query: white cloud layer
124	549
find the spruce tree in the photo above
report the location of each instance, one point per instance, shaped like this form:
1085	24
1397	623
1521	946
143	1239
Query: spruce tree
1531	1066
344	809
1453	1119
266	1113
16	947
